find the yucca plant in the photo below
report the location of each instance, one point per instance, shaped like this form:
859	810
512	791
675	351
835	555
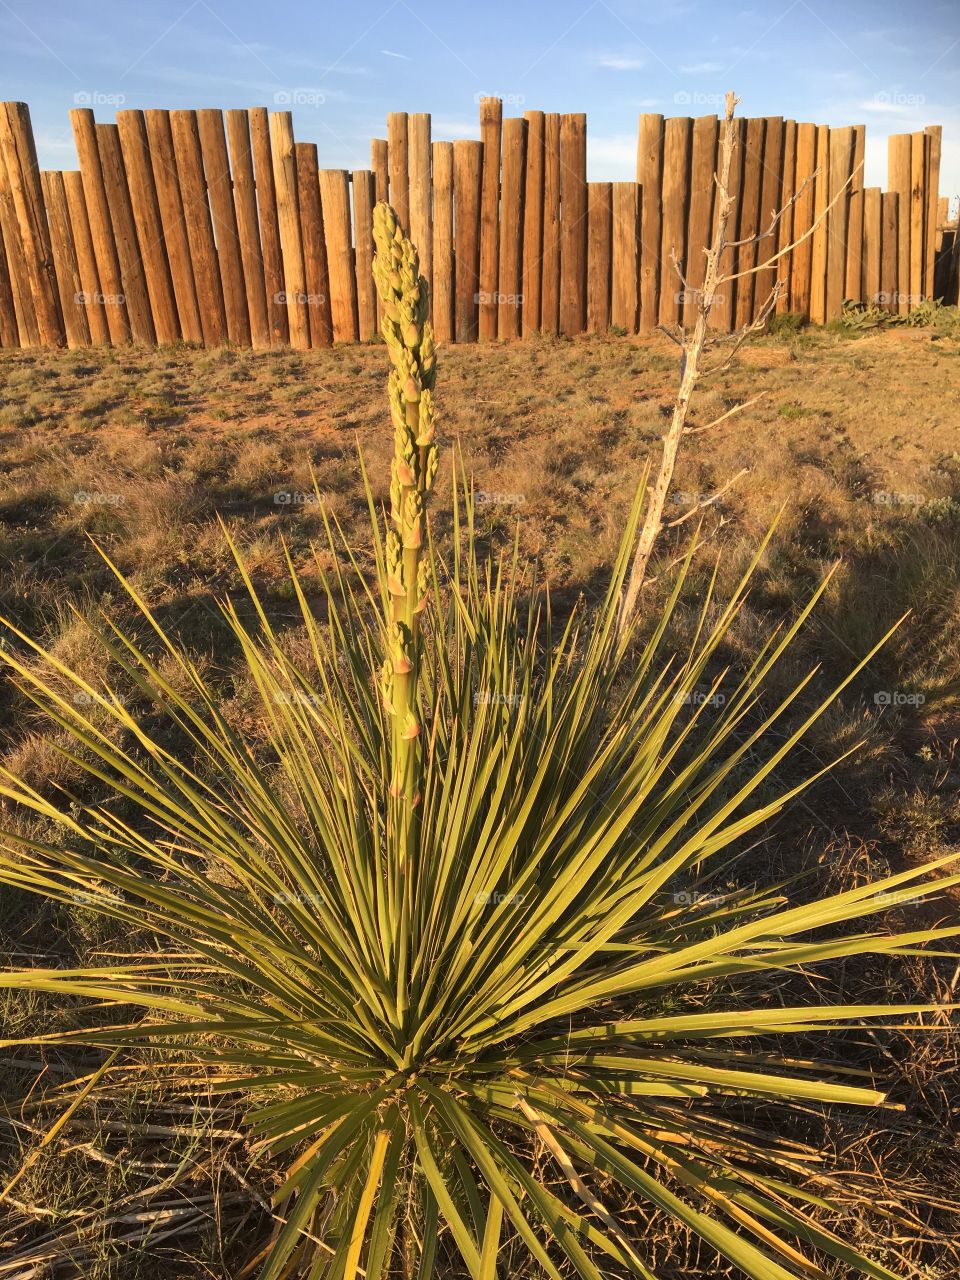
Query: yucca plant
446	926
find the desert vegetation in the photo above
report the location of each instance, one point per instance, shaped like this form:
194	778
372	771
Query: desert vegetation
382	904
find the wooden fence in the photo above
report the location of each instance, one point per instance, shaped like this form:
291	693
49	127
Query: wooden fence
210	227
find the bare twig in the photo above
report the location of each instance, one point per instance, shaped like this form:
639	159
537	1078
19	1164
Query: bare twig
761	266
694	344
692	348
737	408
708	501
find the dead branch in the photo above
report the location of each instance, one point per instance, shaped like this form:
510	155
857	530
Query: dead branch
793	244
692	349
706	502
737	408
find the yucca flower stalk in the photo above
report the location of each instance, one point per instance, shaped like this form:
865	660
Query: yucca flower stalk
477	984
409	338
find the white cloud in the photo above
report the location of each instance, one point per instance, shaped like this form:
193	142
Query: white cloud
702	68
611	158
455	128
389	53
618	62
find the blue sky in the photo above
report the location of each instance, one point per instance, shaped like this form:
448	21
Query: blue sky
893	66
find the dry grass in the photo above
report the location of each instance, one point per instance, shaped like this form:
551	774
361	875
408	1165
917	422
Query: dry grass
856	441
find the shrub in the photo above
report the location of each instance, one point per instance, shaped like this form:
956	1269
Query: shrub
453	931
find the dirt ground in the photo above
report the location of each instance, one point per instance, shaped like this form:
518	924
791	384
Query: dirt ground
854	447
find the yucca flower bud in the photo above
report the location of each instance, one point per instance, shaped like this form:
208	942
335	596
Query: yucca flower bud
425	423
400	649
409	341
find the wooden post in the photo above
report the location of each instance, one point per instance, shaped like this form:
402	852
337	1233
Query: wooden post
86	258
101	228
677	137
467	185
248	227
724	314
650	176
890	247
216	166
379	163
196	213
421	201
335	199
491	124
802	256
898	179
943	217
270	247
125	235
380	166
870	278
624	301
853	286
771	187
841	149
363	202
9	329
573	224
532	224
550	265
818	259
27	328
934	134
65	261
18	151
135	149
397	155
510	277
316	266
946	250
599	255
291	239
703	164
783	269
442	298
748	222
163	162
919	145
